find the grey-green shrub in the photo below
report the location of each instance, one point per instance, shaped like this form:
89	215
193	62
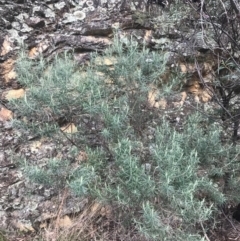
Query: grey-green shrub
166	186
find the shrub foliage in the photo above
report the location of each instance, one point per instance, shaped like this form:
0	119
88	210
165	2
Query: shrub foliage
165	186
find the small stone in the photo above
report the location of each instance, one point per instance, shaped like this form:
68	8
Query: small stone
150	137
49	13
60	5
80	15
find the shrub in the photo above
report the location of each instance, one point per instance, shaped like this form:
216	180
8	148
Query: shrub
53	174
166	186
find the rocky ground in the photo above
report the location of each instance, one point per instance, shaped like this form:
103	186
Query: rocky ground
51	27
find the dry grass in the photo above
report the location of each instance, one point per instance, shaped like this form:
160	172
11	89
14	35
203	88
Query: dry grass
95	222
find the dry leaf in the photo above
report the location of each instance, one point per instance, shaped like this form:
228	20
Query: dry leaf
7	70
207	67
153	102
14	94
36	51
5	114
24	227
148	36
161	104
35	146
95	207
151	97
196	99
184	97
106	211
33	52
7	66
82	156
206	96
6	47
181	102
69	128
105	61
194	89
95	40
191	67
43	225
65	222
10	76
209	78
187	68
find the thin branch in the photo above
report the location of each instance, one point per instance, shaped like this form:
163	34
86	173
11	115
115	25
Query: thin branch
204	232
